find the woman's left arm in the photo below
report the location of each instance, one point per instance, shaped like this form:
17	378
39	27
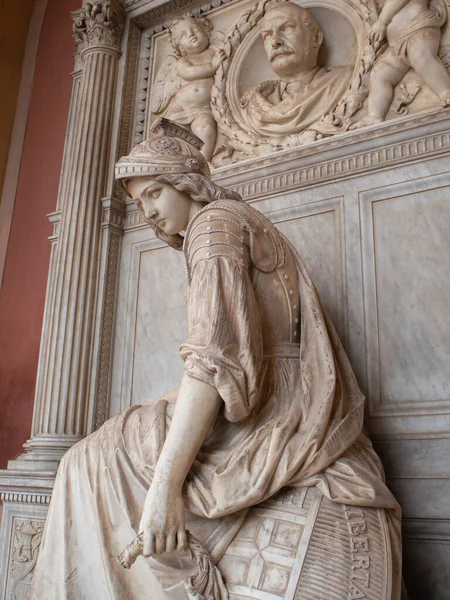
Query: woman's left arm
162	522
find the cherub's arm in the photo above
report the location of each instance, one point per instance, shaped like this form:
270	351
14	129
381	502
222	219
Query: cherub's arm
390	9
191	72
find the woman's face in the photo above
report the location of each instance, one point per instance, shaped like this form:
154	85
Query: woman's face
161	203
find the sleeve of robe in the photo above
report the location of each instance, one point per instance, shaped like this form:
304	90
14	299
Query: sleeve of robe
224	347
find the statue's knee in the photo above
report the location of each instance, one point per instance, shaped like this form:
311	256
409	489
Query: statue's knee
422	55
204	126
420	62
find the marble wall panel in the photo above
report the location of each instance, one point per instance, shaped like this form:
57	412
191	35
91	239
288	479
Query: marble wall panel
420	458
422	498
427	564
405	264
151	321
160	324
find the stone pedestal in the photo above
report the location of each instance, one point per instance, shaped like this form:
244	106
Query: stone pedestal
25	498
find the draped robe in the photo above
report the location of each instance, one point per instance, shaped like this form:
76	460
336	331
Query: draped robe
292	416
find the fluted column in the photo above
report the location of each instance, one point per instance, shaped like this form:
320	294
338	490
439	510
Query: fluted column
64	409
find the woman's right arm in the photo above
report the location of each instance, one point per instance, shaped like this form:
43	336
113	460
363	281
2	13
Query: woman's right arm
162	521
222	358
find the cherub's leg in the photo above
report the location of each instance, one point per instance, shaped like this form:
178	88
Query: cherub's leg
423	56
388	71
205	127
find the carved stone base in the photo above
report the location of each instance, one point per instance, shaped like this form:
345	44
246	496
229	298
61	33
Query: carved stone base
25	498
43	453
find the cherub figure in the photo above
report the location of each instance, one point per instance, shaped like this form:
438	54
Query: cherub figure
412	29
182	89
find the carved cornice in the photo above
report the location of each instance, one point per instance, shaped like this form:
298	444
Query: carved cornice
161	12
27	498
393	143
99	23
396	143
25	486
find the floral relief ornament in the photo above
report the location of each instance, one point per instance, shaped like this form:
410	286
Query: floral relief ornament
99	23
27	541
166	145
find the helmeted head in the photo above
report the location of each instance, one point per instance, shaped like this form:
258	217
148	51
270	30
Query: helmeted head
165	175
189	34
170	148
292	39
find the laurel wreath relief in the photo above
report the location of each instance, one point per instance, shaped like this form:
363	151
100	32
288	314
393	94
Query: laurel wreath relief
336	121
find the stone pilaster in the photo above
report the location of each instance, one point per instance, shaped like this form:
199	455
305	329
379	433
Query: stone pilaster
78	299
112	229
76	339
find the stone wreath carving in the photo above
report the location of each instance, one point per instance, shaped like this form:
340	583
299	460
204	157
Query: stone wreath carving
240	134
328	101
205	583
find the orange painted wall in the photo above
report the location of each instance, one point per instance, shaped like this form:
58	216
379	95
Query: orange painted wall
25	277
14	20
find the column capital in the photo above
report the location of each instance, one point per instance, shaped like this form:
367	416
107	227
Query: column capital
99	23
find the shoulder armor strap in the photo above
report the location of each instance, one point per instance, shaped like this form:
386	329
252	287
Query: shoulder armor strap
216	232
233	228
267	251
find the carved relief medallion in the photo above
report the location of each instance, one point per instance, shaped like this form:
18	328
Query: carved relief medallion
287	74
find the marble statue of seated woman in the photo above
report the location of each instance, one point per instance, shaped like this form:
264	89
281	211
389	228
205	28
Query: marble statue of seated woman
260	455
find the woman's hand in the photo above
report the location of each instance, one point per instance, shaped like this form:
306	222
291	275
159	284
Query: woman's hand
162	522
